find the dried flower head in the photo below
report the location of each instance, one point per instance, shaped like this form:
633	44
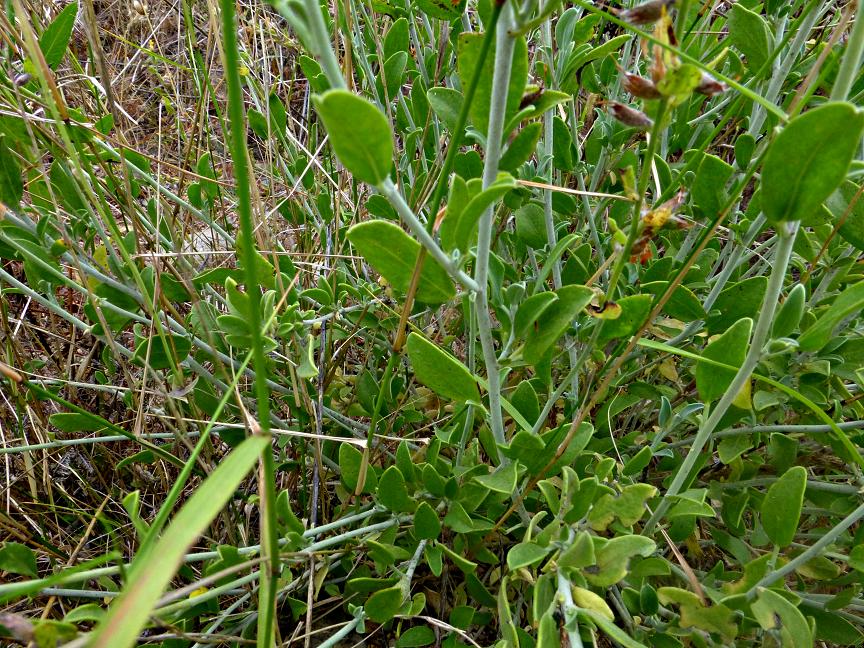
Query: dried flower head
639	86
629	116
646	13
710	86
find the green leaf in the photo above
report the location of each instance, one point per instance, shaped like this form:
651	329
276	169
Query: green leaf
394	254
521	148
555	320
503	480
743	299
16	558
350	462
153	351
427	526
682	305
392	492
531	226
525	400
708	188
446	102
468	55
781	508
773	611
439	371
615	633
55	39
547	100
579	554
443	9
808	160
613	558
87	612
790	312
749	33
78	422
634	311
384	604
548	635
525	554
848	302
359	133
848	204
628	506
11	185
416	636
459	232
151	572
832	628
530	311
730	348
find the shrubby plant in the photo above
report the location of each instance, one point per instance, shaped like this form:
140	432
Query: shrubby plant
563	346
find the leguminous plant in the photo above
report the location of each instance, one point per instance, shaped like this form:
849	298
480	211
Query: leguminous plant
512	323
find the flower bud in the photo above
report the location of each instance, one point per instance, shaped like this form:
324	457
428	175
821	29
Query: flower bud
639	86
630	116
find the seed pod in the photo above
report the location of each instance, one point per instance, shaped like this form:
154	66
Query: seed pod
630	116
646	13
639	86
710	86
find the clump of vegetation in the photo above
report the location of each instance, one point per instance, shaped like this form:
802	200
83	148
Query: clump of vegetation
432	323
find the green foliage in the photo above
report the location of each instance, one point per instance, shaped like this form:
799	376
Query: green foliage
781	508
394	254
440	371
486	394
808	160
364	144
55	39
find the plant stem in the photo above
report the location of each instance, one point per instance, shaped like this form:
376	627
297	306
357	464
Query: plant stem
642	187
388	189
500	85
813	551
344	631
850	66
267	482
786	238
320	43
462	119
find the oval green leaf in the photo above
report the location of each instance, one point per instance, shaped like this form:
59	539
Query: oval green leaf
781	508
440	371
808	160
394	254
359	133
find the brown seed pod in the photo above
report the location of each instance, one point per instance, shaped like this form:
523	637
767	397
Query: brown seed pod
710	86
639	86
646	13
629	116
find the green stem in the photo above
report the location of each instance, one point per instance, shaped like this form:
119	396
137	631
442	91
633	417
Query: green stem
500	86
237	117
644	177
344	631
850	66
809	554
786	238
462	119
